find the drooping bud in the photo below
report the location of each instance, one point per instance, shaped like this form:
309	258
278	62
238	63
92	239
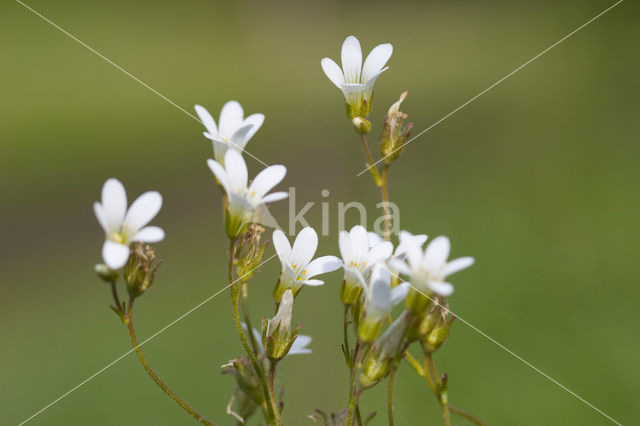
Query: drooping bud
105	273
277	333
384	352
140	270
362	125
249	254
395	132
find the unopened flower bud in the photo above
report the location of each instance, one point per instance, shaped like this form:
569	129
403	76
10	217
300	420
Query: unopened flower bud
140	270
417	302
277	333
350	292
249	254
105	273
438	335
362	125
395	132
384	352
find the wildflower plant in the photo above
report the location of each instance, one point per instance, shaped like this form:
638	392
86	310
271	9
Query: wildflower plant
393	299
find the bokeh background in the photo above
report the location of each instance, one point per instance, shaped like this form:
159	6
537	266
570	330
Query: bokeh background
537	179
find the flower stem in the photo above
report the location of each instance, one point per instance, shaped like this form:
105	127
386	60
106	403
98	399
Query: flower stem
235	295
392	376
272	391
384	192
473	419
353	404
152	373
370	162
345	335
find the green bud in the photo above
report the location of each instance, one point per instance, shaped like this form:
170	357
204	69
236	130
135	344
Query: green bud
417	302
435	339
249	254
140	270
384	352
106	274
351	291
395	132
362	125
370	328
280	288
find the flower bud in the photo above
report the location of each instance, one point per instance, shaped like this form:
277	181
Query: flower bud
362	125
395	132
384	352
106	274
435	339
416	302
245	375
350	292
277	333
140	270
249	254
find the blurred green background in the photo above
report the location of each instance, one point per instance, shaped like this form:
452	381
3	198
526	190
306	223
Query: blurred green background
537	179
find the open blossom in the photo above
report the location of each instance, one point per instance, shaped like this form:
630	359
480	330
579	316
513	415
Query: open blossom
297	267
358	256
401	249
123	227
299	347
428	270
355	79
246	203
234	131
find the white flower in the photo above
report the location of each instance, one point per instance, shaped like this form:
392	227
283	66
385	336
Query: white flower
246	203
297	267
299	346
354	79
401	250
429	269
358	256
122	226
234	130
380	298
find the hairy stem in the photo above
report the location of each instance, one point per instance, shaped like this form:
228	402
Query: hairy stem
345	336
247	319
235	295
473	419
392	377
353	403
272	391
370	162
134	340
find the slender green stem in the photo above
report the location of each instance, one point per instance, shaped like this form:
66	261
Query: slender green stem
272	391
345	336
473	419
235	295
247	319
384	192
392	377
445	415
154	376
370	162
353	403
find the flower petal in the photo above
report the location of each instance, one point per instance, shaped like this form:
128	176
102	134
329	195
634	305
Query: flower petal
102	219
359	243
142	210
333	72
282	246
351	60
457	265
266	180
220	173
115	255
304	248
299	345
256	121
376	61
238	139
380	252
230	118
323	265
399	293
313	283
344	244
442	288
436	254
114	203
276	196
399	266
236	171
374	239
411	243
149	234
207	120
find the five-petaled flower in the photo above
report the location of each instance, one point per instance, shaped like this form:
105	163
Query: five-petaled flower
355	79
246	203
297	267
234	131
428	269
122	226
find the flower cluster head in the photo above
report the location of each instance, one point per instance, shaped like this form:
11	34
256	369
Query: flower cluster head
234	131
246	203
298	268
358	257
123	227
356	80
427	270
